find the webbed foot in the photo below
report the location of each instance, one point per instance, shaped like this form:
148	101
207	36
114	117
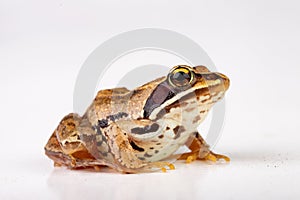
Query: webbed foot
216	157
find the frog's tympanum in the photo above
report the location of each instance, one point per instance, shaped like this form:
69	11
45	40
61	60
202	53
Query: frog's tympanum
141	130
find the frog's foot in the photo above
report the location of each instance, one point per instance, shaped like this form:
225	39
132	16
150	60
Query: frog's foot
200	151
191	158
160	165
211	156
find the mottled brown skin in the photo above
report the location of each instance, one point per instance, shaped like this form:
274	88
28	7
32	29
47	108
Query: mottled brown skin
135	131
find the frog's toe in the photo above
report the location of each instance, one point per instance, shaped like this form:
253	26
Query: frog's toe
216	157
169	165
191	158
164	166
222	157
210	157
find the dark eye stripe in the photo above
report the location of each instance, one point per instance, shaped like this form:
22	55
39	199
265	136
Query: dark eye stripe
162	93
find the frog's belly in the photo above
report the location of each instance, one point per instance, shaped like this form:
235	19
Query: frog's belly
169	148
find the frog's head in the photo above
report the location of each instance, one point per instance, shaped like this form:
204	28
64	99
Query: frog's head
186	87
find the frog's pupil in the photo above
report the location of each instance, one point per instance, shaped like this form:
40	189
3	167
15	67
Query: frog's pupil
181	76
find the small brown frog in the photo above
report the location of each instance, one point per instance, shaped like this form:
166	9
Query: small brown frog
137	131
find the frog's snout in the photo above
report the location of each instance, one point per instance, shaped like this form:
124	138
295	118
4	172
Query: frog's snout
225	79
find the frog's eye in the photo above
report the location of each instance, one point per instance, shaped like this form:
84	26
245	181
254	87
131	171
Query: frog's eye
180	76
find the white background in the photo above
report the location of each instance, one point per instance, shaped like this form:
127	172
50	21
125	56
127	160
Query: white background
256	43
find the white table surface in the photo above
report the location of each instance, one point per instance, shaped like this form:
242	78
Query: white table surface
254	173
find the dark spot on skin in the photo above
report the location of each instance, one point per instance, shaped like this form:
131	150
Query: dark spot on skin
147	155
202	92
71	124
158	144
202	111
161	136
70	116
194	133
141	158
103	123
168	128
147	129
196	119
198	136
136	147
176	104
205	100
137	92
117	116
151	148
177	131
156	151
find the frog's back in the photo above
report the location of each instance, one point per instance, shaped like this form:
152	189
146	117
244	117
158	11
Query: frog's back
106	103
120	103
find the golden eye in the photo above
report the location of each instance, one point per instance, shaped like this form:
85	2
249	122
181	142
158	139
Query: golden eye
181	76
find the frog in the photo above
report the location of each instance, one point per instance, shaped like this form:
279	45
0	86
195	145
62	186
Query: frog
140	130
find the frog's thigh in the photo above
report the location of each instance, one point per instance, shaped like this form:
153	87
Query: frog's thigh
67	134
200	151
73	151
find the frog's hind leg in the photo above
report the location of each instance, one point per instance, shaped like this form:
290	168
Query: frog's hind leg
200	151
65	147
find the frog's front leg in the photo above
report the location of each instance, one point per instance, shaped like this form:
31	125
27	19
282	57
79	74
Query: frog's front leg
200	150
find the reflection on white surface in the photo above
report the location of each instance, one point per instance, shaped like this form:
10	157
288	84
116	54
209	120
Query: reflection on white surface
90	185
